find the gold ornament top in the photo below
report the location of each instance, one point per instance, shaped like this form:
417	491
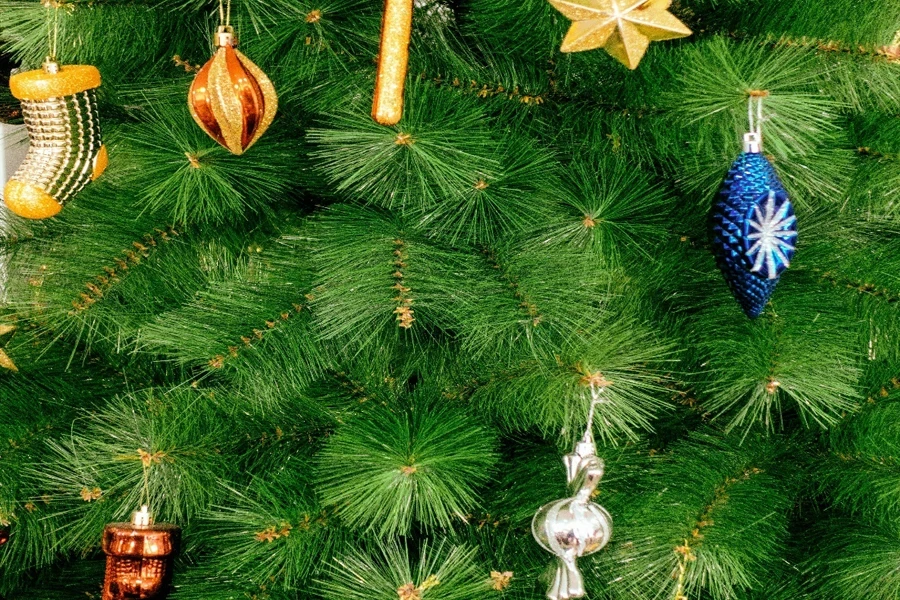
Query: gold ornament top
41	84
624	28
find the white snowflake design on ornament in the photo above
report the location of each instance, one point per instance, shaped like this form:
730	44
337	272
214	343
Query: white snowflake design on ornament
773	233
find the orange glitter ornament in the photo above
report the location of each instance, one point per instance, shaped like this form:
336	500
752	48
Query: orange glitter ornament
231	99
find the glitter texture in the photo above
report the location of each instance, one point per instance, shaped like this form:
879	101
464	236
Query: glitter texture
40	85
393	58
66	149
624	28
232	100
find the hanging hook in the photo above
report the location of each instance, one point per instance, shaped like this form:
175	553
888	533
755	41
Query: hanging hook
585	449
595	400
52	8
753	139
224	13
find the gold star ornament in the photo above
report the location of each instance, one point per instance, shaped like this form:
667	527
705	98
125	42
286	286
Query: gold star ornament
624	28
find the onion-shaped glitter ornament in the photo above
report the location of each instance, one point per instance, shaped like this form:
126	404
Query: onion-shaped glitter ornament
139	558
231	99
754	229
574	527
59	106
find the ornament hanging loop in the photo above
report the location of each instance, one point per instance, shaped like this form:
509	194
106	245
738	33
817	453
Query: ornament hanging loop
224	13
596	399
50	65
580	461
753	139
146	460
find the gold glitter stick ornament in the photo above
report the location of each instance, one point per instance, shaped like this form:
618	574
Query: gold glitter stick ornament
66	152
231	99
393	59
624	28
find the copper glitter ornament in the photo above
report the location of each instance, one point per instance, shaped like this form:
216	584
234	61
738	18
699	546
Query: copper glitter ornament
139	558
4	534
60	109
231	99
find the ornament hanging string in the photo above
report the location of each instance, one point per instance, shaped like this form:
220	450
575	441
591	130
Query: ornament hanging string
52	28
596	399
225	13
756	119
145	492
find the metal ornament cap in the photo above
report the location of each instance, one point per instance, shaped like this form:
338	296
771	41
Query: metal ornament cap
231	98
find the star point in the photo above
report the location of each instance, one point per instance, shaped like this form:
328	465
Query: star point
6	332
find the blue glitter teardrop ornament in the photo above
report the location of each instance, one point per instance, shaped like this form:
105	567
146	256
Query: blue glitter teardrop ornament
754	229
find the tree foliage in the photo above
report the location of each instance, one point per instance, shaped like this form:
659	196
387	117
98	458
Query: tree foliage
347	362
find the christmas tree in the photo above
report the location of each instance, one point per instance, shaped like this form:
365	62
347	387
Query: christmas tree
348	361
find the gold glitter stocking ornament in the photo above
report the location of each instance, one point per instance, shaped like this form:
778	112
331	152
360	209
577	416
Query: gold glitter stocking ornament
59	106
231	99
